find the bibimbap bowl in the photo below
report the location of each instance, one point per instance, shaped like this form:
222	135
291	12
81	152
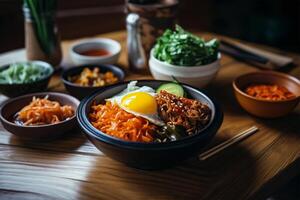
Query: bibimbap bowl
150	155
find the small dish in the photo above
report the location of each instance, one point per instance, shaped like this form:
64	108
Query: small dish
266	108
17	89
148	155
111	46
82	91
42	132
197	76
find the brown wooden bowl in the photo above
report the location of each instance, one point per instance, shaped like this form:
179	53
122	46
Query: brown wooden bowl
38	132
266	108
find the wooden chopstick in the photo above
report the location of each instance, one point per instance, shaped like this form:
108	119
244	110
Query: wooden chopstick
216	149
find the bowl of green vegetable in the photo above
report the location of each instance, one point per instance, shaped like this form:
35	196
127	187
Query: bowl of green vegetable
187	57
24	77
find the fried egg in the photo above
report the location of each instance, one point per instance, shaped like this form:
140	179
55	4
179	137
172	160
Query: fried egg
139	101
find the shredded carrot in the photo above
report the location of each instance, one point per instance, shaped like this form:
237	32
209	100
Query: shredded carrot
43	111
112	120
269	92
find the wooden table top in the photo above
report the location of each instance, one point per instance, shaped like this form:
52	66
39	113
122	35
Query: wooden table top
72	168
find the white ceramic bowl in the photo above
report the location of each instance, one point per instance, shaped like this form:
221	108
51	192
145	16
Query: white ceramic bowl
197	76
110	45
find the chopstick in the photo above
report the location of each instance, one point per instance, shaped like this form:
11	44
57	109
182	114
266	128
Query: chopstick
241	53
216	149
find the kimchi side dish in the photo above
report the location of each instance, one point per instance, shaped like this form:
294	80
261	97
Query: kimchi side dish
42	111
269	92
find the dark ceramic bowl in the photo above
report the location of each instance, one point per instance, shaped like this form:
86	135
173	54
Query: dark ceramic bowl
13	90
148	155
42	132
81	91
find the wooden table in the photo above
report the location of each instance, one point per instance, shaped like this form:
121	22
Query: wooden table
72	168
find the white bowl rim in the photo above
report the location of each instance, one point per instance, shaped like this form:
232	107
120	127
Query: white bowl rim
191	75
109	41
179	66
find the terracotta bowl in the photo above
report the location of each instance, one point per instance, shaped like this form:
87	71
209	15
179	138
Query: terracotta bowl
266	108
42	132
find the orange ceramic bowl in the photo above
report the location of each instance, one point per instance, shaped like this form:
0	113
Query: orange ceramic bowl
266	108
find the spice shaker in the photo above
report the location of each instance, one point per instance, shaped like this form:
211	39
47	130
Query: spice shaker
146	22
136	53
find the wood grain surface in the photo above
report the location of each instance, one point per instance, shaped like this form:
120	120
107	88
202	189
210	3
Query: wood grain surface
72	168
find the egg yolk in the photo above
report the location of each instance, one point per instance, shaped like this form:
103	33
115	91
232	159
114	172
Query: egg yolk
140	102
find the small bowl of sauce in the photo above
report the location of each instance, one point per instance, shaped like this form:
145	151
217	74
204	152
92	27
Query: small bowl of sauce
95	51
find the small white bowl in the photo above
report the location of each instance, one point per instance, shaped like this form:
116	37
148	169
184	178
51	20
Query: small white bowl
198	76
110	45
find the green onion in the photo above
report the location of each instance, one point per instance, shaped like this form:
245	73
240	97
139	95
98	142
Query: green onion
42	15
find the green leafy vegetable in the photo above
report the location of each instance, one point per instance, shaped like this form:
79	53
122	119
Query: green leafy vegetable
182	48
23	73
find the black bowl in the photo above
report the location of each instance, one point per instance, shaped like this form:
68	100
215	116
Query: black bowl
148	155
13	90
81	91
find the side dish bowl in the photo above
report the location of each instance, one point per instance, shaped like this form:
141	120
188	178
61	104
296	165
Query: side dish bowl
112	46
148	155
37	132
197	76
17	89
266	108
82	91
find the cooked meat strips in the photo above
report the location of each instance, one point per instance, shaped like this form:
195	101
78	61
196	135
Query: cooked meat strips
192	114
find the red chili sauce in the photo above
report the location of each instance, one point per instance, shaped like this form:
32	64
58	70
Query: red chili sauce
95	52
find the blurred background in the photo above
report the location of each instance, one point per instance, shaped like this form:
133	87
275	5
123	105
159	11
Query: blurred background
272	22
